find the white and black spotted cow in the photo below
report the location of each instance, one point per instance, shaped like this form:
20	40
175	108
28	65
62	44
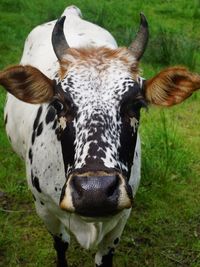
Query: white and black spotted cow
79	139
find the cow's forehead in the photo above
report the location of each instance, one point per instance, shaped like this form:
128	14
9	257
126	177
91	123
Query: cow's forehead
91	86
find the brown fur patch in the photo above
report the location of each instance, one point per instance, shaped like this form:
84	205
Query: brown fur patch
27	84
100	53
62	71
98	56
171	86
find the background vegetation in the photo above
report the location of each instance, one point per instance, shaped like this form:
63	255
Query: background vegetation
164	229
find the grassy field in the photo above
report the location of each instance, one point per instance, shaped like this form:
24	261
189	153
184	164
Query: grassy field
164	228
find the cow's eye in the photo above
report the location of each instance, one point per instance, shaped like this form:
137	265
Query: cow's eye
132	109
135	107
58	105
64	108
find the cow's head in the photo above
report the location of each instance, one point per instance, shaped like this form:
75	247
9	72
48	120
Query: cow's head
97	94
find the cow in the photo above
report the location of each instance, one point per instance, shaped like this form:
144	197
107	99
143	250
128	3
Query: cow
72	114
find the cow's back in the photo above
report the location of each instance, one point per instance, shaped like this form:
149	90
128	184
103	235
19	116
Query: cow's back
38	52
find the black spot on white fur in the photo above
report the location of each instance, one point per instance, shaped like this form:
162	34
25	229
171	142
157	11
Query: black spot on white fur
6	119
35	182
51	114
35	125
37	119
40	129
33	137
54	125
30	155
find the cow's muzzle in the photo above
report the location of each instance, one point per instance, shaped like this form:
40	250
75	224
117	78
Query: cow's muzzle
96	194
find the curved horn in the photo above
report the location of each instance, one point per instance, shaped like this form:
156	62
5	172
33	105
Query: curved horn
138	46
58	40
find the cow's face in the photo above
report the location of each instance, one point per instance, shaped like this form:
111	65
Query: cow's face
101	98
102	88
98	96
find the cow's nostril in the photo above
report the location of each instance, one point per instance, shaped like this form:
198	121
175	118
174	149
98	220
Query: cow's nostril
113	186
76	186
85	186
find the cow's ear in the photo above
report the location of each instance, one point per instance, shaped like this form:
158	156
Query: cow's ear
171	86
27	84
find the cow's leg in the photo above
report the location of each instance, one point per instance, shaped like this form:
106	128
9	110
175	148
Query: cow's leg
57	230
104	255
61	248
104	258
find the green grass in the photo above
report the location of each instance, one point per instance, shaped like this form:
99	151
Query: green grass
164	229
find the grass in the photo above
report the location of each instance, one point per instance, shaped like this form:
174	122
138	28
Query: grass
164	229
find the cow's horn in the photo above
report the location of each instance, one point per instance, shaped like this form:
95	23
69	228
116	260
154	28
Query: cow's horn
139	44
59	42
